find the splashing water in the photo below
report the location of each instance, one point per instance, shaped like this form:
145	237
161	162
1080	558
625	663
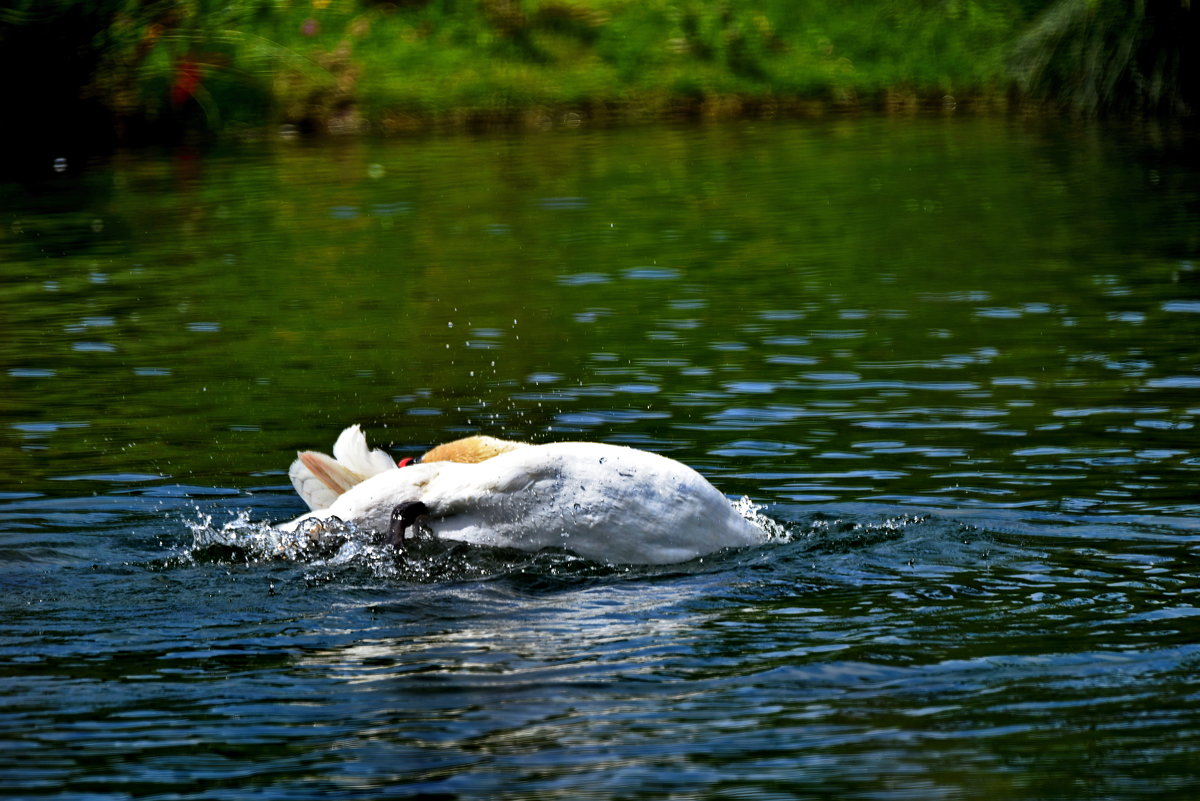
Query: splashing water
776	532
251	541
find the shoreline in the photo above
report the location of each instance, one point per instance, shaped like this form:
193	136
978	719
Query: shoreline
401	122
162	73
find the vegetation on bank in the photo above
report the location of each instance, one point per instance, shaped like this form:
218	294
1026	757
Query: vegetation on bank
150	69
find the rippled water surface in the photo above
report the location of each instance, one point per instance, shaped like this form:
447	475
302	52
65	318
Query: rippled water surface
955	359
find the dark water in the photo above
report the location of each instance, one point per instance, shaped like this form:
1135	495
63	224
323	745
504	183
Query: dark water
956	359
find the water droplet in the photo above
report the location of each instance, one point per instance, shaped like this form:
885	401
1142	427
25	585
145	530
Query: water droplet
60	165
376	171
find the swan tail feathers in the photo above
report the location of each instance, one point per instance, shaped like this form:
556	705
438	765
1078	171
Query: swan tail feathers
320	479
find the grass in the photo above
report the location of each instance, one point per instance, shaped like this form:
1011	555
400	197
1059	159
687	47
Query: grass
162	67
349	64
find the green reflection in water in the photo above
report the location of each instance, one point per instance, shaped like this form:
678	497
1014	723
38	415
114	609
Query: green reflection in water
915	309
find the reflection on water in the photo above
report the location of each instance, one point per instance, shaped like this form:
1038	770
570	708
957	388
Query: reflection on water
958	313
953	357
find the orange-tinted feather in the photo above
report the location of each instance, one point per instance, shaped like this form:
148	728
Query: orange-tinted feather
329	472
470	450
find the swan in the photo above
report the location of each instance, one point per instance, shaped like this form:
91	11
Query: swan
607	503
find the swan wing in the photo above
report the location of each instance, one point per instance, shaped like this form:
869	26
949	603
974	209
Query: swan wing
608	503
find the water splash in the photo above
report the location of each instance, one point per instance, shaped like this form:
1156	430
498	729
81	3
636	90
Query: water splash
242	539
777	533
330	550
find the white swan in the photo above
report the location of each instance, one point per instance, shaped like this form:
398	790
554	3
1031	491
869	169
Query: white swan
607	503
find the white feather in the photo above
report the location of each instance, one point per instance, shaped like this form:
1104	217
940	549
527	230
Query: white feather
311	489
320	479
351	452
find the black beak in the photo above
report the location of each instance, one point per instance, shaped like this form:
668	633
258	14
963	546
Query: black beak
404	516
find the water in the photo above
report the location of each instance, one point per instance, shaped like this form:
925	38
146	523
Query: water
954	359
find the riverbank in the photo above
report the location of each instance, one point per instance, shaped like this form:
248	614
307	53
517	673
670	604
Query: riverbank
142	72
160	71
560	63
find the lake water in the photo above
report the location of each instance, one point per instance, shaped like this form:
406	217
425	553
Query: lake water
956	359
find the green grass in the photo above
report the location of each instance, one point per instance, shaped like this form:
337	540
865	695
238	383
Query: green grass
357	64
348	64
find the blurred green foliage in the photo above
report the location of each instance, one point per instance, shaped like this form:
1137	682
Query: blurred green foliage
1114	56
159	68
